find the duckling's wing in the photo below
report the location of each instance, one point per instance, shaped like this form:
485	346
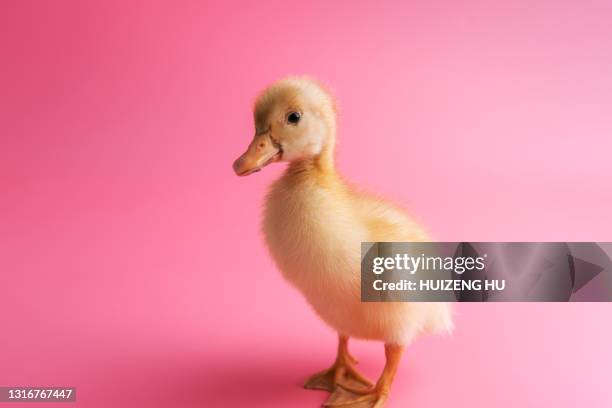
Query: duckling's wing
386	221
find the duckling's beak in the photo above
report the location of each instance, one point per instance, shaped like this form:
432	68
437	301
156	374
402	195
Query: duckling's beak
262	151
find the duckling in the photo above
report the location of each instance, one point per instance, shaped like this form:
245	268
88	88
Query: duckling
314	222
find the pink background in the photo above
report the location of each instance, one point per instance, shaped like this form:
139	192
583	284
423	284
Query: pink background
131	261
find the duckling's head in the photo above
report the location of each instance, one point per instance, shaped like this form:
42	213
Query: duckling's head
295	119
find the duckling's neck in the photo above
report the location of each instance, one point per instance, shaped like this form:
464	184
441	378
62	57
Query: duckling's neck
320	168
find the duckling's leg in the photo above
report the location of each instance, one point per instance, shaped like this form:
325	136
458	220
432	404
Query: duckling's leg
374	397
342	372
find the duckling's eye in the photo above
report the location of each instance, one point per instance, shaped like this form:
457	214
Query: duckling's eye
294	118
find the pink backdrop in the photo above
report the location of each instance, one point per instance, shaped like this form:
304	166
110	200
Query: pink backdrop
132	266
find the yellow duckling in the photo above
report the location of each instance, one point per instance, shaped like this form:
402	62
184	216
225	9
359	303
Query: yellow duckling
314	223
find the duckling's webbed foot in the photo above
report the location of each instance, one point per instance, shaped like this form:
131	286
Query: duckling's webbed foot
374	397
342	375
342	372
349	399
